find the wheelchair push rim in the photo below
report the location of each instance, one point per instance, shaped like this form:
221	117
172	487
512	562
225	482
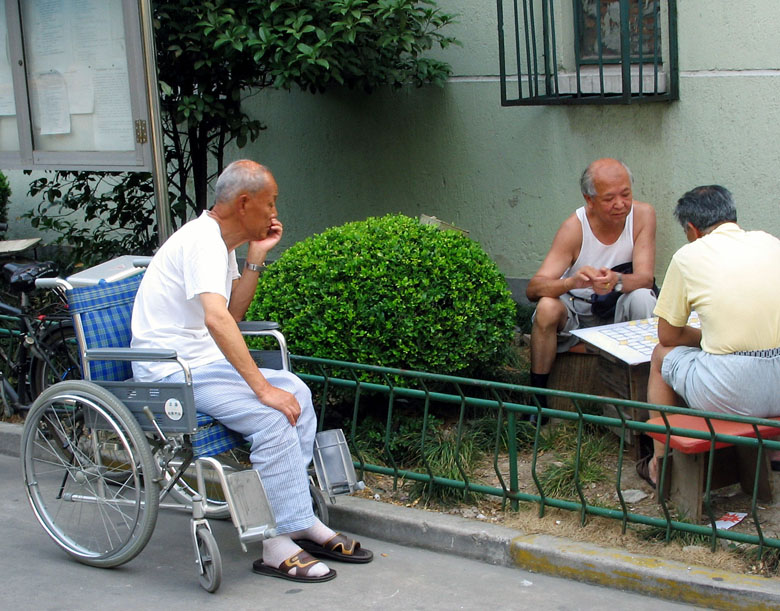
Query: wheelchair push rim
89	474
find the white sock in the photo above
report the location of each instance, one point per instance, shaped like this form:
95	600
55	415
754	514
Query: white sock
278	549
317	532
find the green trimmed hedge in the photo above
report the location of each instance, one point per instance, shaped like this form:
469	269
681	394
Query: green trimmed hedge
389	291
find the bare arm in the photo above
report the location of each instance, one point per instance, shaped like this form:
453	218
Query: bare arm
547	281
244	288
644	249
671	336
223	328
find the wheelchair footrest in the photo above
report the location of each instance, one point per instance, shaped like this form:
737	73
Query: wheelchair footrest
338	488
251	512
333	464
257	533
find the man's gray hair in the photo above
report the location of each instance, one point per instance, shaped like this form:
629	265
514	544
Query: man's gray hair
241	175
586	180
706	206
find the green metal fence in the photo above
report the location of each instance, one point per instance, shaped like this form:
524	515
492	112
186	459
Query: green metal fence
388	392
587	51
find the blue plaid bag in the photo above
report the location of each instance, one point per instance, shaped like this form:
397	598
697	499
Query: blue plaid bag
106	310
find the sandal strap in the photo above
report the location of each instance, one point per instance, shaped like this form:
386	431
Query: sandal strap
301	561
342	544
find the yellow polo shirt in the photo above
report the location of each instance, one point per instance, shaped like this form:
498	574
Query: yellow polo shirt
731	277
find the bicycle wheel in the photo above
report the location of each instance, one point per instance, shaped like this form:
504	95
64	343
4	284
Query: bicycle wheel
9	341
210	559
89	473
59	345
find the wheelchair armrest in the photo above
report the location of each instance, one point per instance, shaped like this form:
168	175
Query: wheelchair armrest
249	327
268	328
136	355
129	354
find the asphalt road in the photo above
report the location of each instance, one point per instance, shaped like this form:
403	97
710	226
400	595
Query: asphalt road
38	575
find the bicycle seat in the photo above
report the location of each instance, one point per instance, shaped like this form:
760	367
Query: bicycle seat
21	276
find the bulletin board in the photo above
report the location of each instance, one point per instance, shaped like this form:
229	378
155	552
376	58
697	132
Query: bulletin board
73	86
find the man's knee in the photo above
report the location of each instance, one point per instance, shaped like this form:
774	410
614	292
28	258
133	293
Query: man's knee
657	358
636	304
550	314
278	436
293	384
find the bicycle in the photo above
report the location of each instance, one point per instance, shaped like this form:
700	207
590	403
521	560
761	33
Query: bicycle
37	345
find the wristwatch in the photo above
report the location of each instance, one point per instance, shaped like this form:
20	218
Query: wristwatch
253	267
619	284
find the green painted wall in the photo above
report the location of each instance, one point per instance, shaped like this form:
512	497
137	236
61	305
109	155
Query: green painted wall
510	175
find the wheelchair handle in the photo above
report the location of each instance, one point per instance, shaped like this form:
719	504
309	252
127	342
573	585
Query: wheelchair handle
52	283
254	326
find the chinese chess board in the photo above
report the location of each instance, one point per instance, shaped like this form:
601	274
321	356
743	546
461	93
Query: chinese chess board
631	341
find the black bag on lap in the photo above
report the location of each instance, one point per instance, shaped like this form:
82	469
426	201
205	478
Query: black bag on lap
603	306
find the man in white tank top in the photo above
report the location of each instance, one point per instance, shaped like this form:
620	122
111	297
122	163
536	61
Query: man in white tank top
611	229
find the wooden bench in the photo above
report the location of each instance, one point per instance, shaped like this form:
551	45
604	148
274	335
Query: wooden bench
576	371
732	463
588	370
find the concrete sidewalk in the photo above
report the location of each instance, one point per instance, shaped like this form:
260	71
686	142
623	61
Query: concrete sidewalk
546	554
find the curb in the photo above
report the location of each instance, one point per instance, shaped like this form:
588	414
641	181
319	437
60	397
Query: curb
10	438
499	545
613	568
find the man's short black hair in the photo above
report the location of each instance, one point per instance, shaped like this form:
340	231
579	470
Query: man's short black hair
706	206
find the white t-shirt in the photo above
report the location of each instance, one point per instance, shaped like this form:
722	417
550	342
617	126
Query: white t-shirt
167	312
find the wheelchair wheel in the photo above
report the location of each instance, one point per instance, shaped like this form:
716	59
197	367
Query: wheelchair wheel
318	503
210	559
89	473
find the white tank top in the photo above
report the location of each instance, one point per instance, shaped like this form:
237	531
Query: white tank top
597	254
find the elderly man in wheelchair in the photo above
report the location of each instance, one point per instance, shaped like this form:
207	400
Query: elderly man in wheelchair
191	298
189	301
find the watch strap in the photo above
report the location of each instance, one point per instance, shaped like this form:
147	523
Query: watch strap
253	267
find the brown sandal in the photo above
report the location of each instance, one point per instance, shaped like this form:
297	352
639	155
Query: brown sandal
338	547
643	469
301	562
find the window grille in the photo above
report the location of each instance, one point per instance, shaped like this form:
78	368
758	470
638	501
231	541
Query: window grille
587	51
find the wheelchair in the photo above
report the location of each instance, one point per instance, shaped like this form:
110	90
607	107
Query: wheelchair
101	455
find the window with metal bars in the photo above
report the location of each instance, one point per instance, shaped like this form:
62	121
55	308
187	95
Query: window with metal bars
587	51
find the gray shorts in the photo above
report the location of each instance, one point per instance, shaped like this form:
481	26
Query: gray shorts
635	305
727	383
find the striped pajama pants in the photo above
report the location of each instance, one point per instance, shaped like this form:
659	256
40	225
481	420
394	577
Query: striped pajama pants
279	452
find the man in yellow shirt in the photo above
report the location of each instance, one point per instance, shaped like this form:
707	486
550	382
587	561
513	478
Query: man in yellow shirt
731	278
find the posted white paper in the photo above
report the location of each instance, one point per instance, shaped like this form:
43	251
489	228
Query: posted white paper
51	95
113	123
